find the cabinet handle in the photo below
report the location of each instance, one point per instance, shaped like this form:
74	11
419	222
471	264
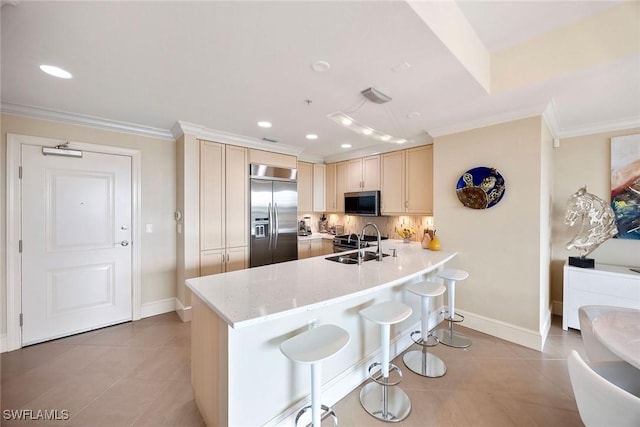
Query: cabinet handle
227	257
406	204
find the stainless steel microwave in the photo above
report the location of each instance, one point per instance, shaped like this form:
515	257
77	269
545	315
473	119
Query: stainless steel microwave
364	203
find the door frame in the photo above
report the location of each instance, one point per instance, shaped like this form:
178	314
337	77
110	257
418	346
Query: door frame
14	225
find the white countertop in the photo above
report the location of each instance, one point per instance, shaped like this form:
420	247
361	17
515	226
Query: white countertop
316	236
251	296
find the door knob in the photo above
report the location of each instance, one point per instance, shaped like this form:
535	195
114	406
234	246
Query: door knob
125	243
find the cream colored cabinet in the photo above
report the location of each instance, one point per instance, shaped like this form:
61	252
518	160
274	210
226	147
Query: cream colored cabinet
272	159
319	174
363	174
314	247
335	186
305	187
407	181
224	209
311	187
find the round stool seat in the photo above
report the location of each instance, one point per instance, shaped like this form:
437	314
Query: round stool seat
453	274
315	344
386	313
426	289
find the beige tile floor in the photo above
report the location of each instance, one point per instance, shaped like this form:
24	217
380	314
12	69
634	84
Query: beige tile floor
137	374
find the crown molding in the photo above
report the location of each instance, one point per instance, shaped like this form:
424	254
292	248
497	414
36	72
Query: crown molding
488	121
83	120
201	132
602	127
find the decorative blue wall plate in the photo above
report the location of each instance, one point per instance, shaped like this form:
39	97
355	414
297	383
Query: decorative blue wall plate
480	188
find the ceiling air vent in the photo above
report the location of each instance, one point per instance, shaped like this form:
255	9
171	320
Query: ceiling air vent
270	139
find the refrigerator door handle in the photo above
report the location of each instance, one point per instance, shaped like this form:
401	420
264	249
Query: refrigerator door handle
277	225
270	219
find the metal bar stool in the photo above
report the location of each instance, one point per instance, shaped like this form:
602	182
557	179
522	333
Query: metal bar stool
380	398
310	348
448	336
421	362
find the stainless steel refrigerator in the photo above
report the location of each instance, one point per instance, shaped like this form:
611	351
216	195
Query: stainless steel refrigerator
274	210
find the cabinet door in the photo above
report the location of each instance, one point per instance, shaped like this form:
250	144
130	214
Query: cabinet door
330	187
212	262
237	200
318	187
353	175
371	173
316	247
304	249
327	247
237	258
419	180
305	187
341	177
212	209
392	182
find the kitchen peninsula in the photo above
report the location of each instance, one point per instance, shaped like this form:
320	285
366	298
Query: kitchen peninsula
239	375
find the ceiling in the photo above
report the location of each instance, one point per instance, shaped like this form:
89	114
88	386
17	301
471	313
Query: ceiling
227	65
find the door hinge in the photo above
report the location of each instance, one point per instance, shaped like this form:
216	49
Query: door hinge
21	319
20	246
19	172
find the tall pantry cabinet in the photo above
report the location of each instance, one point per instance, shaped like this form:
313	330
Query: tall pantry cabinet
224	209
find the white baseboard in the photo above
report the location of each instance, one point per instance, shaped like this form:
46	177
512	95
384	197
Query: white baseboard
154	308
557	307
506	331
3	343
340	386
183	312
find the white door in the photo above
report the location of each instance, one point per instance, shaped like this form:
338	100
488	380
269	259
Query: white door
76	243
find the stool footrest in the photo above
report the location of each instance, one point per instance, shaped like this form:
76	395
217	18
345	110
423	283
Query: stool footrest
422	342
457	318
327	412
377	375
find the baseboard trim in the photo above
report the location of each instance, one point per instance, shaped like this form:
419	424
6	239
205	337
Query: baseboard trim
557	308
154	308
183	312
339	387
506	331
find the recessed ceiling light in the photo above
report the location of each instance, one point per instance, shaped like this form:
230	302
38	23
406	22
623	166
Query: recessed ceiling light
346	121
345	146
401	67
413	115
320	66
312	136
367	131
385	137
264	124
56	71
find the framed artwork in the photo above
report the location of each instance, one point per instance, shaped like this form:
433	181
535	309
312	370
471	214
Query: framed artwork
625	185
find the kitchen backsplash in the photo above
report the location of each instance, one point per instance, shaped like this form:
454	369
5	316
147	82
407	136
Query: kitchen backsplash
387	224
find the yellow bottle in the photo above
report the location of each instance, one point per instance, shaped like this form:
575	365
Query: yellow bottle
434	244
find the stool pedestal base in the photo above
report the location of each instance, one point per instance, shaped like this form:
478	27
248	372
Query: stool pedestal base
386	403
425	364
452	339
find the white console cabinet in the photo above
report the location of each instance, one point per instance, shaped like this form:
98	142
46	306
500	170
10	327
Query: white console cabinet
602	285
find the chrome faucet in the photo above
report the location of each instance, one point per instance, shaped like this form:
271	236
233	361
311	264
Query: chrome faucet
379	250
359	248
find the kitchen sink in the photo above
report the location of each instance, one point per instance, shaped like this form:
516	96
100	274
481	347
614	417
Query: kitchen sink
352	258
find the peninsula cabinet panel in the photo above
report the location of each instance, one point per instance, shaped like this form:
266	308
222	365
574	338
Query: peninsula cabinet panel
305	187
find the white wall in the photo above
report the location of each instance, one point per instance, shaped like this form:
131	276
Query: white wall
499	246
578	161
158	198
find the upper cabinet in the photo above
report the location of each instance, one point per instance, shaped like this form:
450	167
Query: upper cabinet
305	187
311	187
363	174
261	157
407	181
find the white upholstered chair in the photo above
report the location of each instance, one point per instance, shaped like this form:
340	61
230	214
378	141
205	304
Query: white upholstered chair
600	401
